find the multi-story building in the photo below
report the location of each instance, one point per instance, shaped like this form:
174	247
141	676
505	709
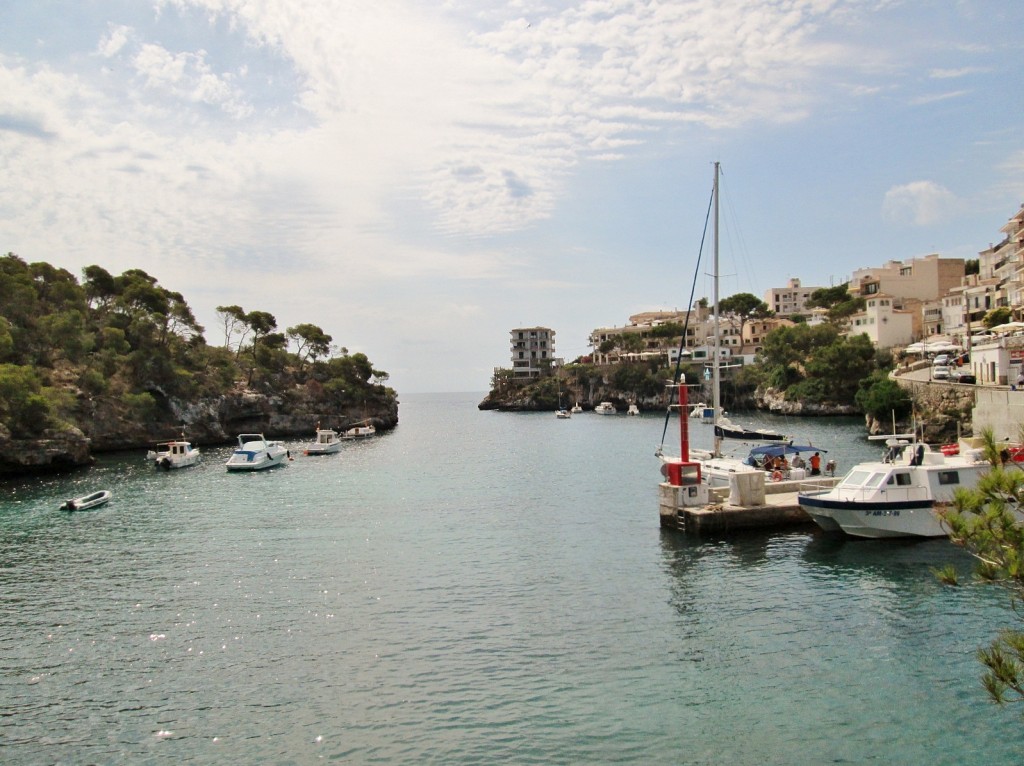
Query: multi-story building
925	279
533	351
886	325
789	301
645	336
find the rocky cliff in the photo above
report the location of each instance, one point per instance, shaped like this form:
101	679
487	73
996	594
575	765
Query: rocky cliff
106	425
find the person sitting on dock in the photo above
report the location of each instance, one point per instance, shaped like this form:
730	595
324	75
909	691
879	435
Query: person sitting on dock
816	464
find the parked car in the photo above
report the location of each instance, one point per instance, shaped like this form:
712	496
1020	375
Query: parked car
940	372
941	359
962	377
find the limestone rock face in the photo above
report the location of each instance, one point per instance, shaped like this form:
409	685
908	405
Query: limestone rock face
108	424
773	401
55	451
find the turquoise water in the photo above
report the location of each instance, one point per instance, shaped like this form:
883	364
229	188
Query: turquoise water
473	587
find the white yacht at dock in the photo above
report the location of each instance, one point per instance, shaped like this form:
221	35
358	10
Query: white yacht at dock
898	495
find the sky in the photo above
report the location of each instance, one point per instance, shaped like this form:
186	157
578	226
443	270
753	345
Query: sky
418	178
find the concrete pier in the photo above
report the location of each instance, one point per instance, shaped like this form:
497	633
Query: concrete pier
730	510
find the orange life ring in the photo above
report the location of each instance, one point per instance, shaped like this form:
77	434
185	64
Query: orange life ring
777	476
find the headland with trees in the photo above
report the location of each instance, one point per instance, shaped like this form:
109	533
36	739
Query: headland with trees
119	362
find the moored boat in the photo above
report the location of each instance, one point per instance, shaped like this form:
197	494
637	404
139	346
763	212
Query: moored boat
359	431
254	453
605	408
85	502
326	442
173	454
898	495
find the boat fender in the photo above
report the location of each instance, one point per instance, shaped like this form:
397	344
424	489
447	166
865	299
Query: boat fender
777	476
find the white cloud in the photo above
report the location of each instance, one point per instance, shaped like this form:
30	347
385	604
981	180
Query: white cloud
114	41
388	146
933	98
921	203
949	74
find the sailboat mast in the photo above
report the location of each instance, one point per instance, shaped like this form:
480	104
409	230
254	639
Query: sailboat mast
715	371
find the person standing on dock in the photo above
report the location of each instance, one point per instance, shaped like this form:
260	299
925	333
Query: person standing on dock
815	464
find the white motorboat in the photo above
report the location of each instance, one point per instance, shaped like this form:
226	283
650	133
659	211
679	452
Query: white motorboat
174	454
254	453
633	410
605	408
562	414
576	408
85	502
359	432
898	495
327	442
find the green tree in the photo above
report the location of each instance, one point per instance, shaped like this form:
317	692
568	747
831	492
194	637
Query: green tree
837	301
997	316
232	319
311	342
881	397
24	410
985	522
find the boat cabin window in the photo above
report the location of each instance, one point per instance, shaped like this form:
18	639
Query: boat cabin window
949	477
900	479
855	478
875	480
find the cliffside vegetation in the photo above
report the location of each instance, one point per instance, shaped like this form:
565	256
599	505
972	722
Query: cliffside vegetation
72	352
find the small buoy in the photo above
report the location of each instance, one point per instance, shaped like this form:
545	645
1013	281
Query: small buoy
777	476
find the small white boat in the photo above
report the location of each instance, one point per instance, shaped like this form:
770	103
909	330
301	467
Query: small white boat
633	410
326	443
359	432
575	408
176	454
605	408
87	501
562	414
255	453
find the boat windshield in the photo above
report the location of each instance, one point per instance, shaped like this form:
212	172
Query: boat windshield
876	479
855	478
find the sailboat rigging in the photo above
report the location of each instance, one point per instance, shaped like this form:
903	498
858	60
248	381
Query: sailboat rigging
724	428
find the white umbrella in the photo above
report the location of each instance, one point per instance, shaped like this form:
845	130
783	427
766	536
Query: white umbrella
1008	327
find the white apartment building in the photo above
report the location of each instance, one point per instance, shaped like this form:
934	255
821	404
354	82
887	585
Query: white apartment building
883	323
790	300
533	351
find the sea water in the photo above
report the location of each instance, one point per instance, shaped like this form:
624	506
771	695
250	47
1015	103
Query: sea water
475	587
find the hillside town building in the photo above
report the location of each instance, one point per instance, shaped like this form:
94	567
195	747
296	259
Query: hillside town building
533	351
923	298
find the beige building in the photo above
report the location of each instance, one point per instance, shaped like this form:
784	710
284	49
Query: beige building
648	336
925	279
533	351
645	336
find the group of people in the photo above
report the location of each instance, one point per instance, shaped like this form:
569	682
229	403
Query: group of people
779	463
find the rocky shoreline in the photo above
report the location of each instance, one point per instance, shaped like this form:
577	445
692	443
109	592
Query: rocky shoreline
108	426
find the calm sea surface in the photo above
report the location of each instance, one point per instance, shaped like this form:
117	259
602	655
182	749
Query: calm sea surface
474	587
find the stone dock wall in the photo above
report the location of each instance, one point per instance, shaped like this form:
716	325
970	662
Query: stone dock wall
972	408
